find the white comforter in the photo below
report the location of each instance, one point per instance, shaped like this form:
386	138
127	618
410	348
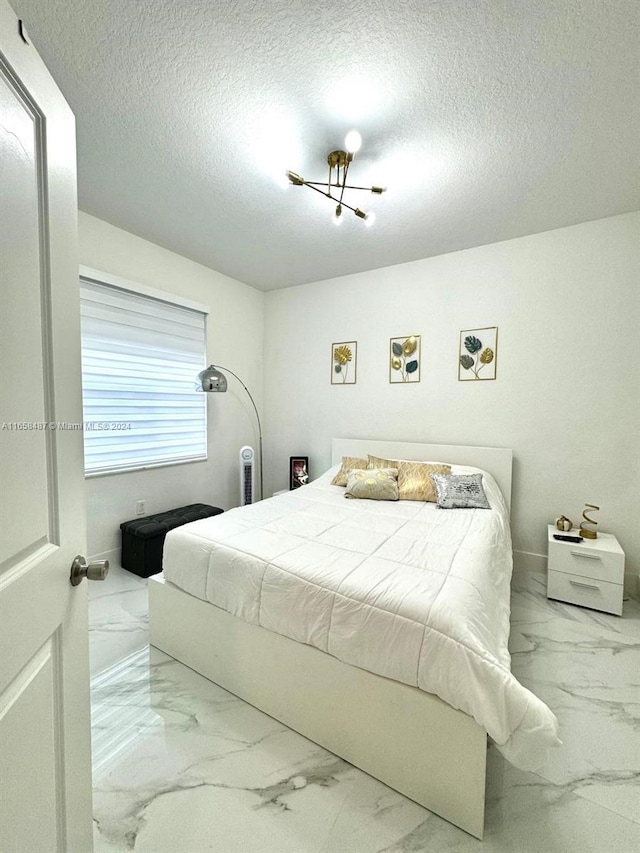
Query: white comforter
402	589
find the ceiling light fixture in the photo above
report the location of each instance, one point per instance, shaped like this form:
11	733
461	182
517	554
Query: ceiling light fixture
339	162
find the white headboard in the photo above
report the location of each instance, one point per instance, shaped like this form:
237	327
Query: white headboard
497	461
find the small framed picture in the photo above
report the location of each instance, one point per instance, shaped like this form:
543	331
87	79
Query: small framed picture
478	354
404	359
344	359
298	471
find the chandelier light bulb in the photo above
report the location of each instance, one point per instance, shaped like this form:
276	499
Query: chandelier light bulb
353	141
334	189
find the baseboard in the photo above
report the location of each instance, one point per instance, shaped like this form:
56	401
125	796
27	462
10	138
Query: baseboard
523	561
632	585
113	556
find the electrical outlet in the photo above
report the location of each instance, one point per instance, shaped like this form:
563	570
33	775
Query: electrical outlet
140	507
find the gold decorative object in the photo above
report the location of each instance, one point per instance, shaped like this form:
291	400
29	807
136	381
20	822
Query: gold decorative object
333	189
410	345
478	354
563	523
342	354
588	532
404	359
343	363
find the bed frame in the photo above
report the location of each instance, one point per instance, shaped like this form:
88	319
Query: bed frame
408	739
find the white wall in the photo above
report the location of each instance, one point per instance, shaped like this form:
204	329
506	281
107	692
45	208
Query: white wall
235	339
567	394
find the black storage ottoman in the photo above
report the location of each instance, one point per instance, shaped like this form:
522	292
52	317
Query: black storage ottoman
143	538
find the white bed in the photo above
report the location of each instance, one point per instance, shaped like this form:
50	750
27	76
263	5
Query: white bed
340	618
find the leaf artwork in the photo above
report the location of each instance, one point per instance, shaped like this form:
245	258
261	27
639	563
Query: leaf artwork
342	356
401	350
466	361
409	346
478	356
472	344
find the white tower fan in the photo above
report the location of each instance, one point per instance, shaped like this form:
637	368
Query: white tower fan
247	475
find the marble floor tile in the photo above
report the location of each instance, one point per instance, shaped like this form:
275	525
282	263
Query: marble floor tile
526	814
182	765
202	767
118	617
529	599
590	677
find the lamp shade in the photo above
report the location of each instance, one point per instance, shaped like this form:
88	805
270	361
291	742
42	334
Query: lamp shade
211	379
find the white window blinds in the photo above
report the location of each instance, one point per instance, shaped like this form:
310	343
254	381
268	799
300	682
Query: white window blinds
140	360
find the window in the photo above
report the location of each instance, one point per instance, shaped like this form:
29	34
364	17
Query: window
140	359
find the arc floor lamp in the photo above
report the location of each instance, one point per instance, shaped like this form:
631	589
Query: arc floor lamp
213	380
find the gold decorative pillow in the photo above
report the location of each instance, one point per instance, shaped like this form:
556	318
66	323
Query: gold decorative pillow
377	462
414	482
375	484
348	464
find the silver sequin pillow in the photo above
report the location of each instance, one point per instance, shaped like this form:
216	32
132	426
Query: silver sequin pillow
460	491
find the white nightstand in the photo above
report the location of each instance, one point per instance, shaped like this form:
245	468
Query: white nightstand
589	573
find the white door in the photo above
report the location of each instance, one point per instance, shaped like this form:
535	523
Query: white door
45	774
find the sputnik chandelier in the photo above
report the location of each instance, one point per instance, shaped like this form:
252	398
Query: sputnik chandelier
339	162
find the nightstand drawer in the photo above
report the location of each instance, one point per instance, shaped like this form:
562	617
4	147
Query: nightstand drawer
580	559
585	591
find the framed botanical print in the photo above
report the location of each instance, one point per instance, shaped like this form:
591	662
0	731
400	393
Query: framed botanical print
404	359
344	360
478	354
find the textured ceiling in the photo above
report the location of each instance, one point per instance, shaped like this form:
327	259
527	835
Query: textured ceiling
486	119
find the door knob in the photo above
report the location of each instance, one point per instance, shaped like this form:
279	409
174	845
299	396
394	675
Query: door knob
96	571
